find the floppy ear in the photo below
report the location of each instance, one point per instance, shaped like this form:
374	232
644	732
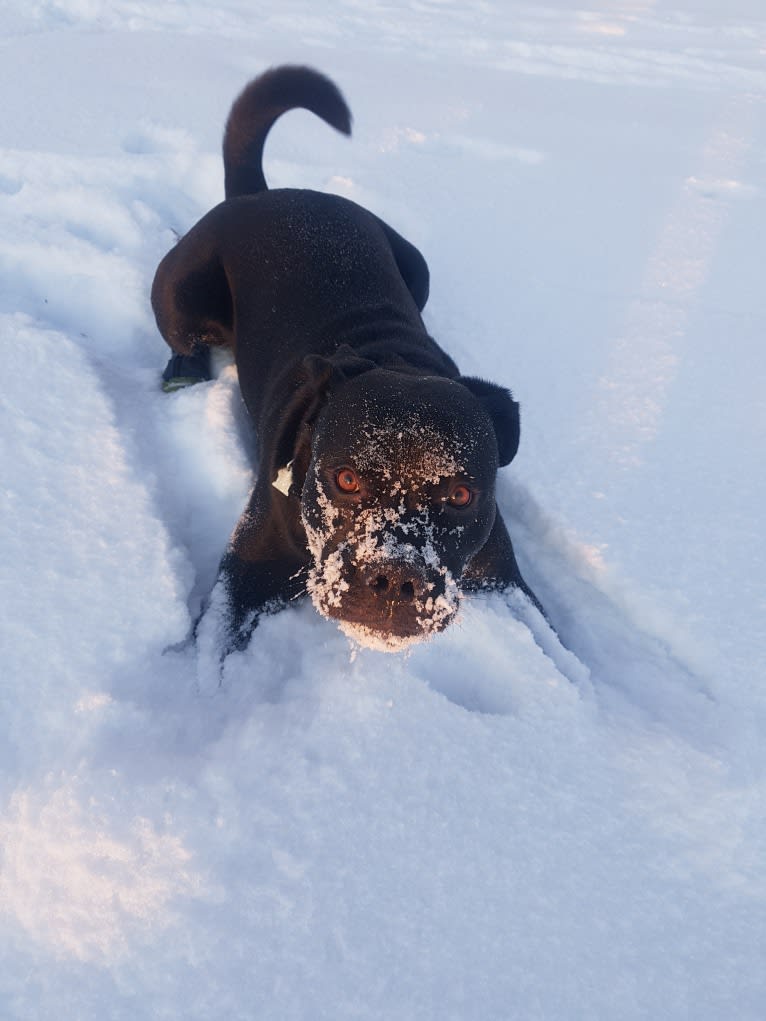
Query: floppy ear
344	364
316	378
502	409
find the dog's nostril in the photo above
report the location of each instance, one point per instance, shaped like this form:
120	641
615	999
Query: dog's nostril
380	584
407	591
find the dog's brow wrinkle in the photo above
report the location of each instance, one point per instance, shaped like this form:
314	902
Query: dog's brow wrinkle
424	451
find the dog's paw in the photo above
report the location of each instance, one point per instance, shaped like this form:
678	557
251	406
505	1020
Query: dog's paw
186	370
218	635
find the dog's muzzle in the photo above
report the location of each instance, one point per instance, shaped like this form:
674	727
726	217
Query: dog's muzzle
392	601
396	596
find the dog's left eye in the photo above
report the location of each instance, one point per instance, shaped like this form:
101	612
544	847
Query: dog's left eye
460	496
347	480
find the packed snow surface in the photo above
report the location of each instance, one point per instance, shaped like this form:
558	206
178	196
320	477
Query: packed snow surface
504	822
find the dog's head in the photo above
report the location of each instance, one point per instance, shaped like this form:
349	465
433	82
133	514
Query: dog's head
397	490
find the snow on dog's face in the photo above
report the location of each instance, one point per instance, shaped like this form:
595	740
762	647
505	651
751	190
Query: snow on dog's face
399	494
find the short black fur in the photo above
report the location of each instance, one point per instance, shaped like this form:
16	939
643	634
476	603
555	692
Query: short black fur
321	302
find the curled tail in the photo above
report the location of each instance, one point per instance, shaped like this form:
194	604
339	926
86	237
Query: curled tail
258	106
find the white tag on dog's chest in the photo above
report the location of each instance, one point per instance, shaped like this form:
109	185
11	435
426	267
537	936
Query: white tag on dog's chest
284	479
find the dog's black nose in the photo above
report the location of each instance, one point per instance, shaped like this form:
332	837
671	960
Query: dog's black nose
398	586
401	598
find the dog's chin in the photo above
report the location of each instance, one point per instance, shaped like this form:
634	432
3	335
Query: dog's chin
381	641
385	636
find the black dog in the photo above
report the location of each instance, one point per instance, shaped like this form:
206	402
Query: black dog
376	459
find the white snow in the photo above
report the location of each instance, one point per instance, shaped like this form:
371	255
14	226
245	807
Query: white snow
493	825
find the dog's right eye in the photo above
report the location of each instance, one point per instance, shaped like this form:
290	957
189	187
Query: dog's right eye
460	496
347	480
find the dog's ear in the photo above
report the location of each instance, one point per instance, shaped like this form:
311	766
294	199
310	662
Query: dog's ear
317	376
344	364
502	409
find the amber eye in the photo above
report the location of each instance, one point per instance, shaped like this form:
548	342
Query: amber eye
346	480
461	496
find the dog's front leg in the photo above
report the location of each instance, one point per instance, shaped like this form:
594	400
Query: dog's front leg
262	571
257	587
244	591
495	566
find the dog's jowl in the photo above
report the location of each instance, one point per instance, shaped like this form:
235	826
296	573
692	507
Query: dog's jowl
376	459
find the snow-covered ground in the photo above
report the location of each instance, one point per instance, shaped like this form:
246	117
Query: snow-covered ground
493	826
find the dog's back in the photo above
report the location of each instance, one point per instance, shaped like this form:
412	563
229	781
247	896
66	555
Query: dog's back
259	105
281	274
325	275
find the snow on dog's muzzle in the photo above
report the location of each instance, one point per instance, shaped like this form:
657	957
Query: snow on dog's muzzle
384	602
